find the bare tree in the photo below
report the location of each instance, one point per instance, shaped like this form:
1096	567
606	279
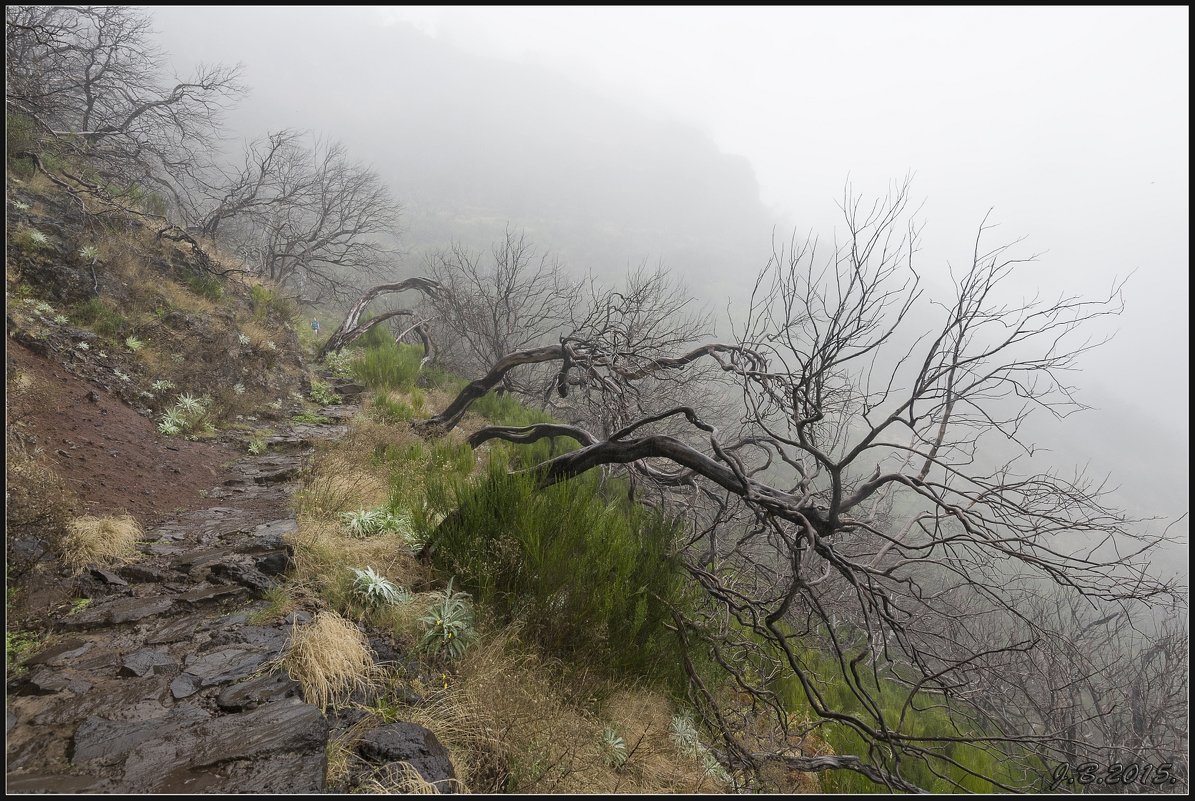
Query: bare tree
353	328
512	301
333	232
840	410
90	78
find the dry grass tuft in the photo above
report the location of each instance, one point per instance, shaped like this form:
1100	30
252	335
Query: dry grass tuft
330	658
514	722
100	540
340	482
398	778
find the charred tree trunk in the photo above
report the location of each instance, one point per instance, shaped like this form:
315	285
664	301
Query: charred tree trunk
352	327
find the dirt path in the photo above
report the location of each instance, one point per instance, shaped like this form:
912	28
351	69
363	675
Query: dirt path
162	683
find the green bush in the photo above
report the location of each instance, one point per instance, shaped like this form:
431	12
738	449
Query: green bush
388	366
267	302
926	716
207	286
506	410
385	409
323	394
100	317
589	574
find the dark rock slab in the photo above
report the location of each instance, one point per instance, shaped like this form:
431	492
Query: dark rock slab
183	628
107	576
53	783
48	681
408	742
132	698
144	574
218	666
118	611
60	654
274	564
210	594
289	725
246	575
256	692
147	661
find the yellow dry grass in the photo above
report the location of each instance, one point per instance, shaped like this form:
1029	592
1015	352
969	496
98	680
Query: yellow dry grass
339	481
325	555
400	778
100	540
329	658
512	721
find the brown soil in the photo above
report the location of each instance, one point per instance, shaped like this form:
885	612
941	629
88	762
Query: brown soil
112	458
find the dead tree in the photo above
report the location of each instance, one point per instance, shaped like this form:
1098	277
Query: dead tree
89	79
514	300
845	412
353	328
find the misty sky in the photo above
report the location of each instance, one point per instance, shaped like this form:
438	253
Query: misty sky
1071	124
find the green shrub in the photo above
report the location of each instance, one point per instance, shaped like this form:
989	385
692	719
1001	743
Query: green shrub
100	317
926	716
204	285
388	366
373	589
507	410
588	573
385	409
189	416
323	394
267	302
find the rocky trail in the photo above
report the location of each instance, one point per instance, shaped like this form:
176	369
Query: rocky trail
165	681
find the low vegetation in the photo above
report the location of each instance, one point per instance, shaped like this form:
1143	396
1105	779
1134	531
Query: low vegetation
329	658
93	540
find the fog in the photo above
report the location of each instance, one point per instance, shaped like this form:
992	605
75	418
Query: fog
692	137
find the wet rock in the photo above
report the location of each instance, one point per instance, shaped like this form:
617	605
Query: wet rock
385	650
288	725
277	476
247	576
106	740
115	612
49	681
266	638
184	628
60	654
147	661
216	667
256	692
184	686
124	700
107	576
53	783
274	564
144	574
408	742
210	594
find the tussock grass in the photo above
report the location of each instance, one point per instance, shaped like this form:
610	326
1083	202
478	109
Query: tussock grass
325	555
514	721
400	778
329	658
100	540
340	481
